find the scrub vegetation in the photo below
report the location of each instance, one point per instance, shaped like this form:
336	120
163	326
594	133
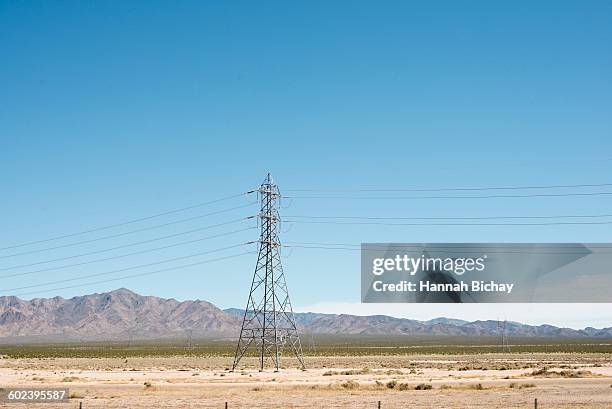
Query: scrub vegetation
315	346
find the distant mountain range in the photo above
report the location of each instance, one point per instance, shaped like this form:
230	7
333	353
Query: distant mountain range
123	315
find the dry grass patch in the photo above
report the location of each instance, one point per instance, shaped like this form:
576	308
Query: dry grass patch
566	373
350	384
515	385
350	372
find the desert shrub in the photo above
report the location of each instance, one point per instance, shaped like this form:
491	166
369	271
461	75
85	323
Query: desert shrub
527	385
566	373
76	395
70	379
423	387
515	385
575	374
356	372
403	387
147	384
350	384
392	384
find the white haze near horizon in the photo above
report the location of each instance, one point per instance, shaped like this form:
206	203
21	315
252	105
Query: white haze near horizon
576	316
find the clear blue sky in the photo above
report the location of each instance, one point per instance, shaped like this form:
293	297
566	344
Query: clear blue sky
114	110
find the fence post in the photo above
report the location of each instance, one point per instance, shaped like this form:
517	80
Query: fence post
379	405
225	405
535	403
80	405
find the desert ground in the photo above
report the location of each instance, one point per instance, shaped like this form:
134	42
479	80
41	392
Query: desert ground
489	380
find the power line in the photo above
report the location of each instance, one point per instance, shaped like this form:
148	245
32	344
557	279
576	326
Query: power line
119	235
125	245
126	255
344	247
110	226
452	197
124	269
456	189
138	275
449	224
451	218
457	245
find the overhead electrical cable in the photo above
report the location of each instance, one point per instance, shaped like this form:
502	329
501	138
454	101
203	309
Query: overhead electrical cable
125	255
118	235
456	189
110	226
451	218
452	197
513	224
448	250
139	274
125	245
123	269
457	245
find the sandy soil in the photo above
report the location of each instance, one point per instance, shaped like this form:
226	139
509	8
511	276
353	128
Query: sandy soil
457	381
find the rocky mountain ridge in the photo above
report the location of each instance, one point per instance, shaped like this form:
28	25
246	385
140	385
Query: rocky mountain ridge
122	315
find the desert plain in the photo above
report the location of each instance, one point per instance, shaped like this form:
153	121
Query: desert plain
477	380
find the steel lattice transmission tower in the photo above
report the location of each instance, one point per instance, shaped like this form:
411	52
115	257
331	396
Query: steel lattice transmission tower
505	346
268	322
